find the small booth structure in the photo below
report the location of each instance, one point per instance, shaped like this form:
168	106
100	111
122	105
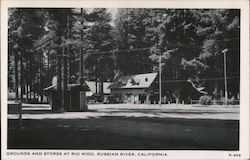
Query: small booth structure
76	100
77	97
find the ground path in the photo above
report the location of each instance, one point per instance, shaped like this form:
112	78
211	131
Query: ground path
38	111
124	126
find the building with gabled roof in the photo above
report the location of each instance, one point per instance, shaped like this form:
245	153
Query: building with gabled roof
138	88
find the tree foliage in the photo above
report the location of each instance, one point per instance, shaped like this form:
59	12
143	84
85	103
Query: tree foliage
188	41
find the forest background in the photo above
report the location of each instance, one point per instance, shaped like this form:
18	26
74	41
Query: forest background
78	44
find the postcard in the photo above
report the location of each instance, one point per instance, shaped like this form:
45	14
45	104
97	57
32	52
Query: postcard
125	79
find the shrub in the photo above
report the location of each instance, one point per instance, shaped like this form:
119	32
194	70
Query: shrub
232	101
205	100
11	95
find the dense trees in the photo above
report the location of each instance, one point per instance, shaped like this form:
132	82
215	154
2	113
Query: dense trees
190	43
130	26
89	44
25	27
99	66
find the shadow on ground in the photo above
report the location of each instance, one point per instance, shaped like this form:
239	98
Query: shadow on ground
45	110
120	132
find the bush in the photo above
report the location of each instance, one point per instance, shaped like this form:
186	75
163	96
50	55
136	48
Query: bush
205	100
11	95
233	101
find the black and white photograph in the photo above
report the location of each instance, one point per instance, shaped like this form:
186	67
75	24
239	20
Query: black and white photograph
123	82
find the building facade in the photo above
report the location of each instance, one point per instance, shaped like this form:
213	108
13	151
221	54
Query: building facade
140	88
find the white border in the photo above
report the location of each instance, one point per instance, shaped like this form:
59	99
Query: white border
244	81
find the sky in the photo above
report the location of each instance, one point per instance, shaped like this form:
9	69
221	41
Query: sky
113	11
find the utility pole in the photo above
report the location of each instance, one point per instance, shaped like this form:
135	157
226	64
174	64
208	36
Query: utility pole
225	73
159	20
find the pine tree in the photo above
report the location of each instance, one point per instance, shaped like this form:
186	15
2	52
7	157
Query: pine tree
25	26
130	26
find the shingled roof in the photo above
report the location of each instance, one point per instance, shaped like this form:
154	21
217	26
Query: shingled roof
52	88
134	81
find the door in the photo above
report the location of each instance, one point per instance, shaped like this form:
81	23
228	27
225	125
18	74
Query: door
83	105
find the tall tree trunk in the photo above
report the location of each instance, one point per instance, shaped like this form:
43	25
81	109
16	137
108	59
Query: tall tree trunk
70	66
70	52
27	79
39	76
30	80
16	76
59	107
101	89
216	90
81	66
96	78
54	64
33	89
65	81
81	53
41	82
22	77
48	65
65	65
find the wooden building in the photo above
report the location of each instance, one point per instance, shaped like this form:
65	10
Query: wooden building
75	100
140	88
